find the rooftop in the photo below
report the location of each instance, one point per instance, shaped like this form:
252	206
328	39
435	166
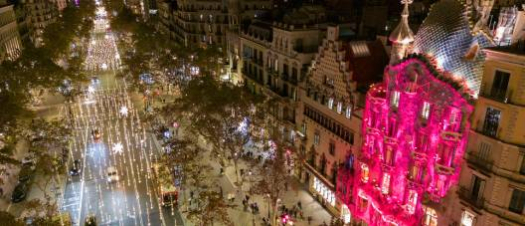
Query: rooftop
517	48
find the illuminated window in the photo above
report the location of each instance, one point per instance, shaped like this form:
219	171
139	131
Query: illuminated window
431	217
316	138
412	201
339	107
365	173
467	218
394	100
331	103
348	112
425	111
385	185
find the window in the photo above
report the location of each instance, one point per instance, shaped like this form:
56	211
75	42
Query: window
431	218
339	107
517	201
331	148
316	138
385	185
394	100
425	111
522	168
477	185
492	116
348	112
500	84
331	103
365	172
412	201
467	218
303	128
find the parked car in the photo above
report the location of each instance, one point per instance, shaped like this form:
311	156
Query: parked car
76	168
112	174
20	192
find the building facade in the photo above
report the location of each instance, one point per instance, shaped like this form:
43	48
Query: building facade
492	183
10	44
414	136
330	116
41	13
202	23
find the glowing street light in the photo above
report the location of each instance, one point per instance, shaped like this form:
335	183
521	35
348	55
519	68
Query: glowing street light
118	148
124	111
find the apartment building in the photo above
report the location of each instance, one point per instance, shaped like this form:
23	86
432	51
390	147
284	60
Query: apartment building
10	44
273	63
492	183
200	23
331	112
41	14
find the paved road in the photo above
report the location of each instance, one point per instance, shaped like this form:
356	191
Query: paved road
131	200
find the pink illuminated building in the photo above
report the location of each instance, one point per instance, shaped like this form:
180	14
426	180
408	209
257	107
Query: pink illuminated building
414	130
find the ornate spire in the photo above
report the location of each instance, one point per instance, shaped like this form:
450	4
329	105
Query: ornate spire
402	36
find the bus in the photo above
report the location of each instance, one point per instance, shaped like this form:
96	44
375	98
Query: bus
168	192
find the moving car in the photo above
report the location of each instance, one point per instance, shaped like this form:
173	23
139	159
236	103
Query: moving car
76	169
112	174
20	192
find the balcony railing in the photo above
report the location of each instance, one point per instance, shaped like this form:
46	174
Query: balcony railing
466	195
483	163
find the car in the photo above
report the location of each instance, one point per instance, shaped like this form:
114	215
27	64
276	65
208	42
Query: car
20	192
112	174
76	169
96	134
91	220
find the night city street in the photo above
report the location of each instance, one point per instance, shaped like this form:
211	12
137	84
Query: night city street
262	113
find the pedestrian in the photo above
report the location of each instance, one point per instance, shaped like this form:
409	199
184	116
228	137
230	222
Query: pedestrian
191	194
247	197
309	218
299	205
221	171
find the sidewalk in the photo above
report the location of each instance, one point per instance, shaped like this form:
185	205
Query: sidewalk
50	109
239	217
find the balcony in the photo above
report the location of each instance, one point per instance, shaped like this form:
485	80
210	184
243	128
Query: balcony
494	93
482	163
466	195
